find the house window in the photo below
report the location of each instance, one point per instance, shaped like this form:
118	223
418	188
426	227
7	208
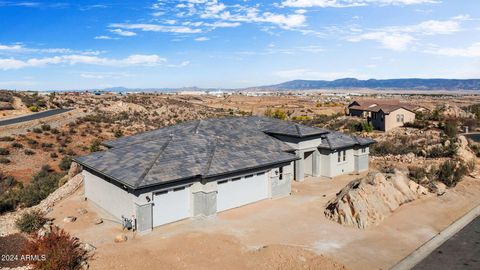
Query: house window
280	173
400	118
364	150
339	156
344	155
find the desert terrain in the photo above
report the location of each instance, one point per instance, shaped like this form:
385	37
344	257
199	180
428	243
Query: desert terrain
287	233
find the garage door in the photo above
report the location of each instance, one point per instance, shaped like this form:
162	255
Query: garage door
240	191
171	205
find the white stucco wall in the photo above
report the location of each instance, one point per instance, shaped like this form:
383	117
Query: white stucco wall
109	197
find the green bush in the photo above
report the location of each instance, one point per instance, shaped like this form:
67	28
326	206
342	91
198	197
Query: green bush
17	145
4	152
37	130
45	127
29	152
53	155
4	160
277	113
451	172
33	108
30	221
418	124
95	146
449	127
65	163
43	183
118	133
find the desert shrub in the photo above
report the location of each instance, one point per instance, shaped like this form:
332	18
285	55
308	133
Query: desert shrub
29	152
449	127
47	145
37	130
53	155
95	146
55	131
70	152
61	251
46	127
33	108
390	148
6	139
451	172
43	183
277	113
118	133
475	148
417	173
4	152
9	201
65	163
442	151
32	142
418	124
17	145
30	221
4	160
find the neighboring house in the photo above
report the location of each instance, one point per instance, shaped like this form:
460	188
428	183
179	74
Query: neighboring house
384	116
202	167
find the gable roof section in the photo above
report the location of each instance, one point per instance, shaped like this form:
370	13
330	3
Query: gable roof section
388	108
336	140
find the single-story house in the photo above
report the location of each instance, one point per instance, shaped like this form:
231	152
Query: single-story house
383	116
202	167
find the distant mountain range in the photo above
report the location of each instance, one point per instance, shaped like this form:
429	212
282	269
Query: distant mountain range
401	84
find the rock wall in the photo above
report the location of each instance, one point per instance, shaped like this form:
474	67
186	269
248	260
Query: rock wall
367	201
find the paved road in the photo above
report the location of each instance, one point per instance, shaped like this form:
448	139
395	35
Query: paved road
31	117
462	251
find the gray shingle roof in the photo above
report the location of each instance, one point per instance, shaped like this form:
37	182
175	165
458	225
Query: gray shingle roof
336	140
199	149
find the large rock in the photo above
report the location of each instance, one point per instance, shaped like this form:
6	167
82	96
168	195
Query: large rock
464	153
367	201
75	169
121	238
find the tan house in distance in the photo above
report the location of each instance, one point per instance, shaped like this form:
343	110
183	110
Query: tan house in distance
383	116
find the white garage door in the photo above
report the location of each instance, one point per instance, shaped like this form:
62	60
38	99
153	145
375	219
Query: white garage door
240	191
171	205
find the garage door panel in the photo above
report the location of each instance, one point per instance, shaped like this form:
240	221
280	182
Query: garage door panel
241	191
171	206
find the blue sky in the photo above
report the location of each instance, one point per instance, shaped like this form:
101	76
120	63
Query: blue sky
228	44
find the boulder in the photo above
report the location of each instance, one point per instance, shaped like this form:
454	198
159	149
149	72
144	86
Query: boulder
121	238
98	221
75	169
69	219
367	201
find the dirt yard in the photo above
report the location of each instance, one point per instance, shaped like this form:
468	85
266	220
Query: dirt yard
286	233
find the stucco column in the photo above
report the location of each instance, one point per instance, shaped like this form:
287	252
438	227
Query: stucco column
316	163
299	166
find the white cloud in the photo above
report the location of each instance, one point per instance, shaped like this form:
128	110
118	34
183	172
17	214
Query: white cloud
469	51
132	60
123	33
104	37
202	39
15	47
156	28
350	3
398	38
393	41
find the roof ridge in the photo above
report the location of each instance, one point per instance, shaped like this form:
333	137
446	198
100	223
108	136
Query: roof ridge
157	157
298	130
210	158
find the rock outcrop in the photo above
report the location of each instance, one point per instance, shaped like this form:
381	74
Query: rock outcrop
367	201
464	153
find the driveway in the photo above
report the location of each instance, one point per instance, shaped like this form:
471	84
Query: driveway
275	228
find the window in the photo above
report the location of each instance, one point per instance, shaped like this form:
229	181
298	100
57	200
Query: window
249	176
339	156
344	155
400	118
364	150
280	173
236	179
222	182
